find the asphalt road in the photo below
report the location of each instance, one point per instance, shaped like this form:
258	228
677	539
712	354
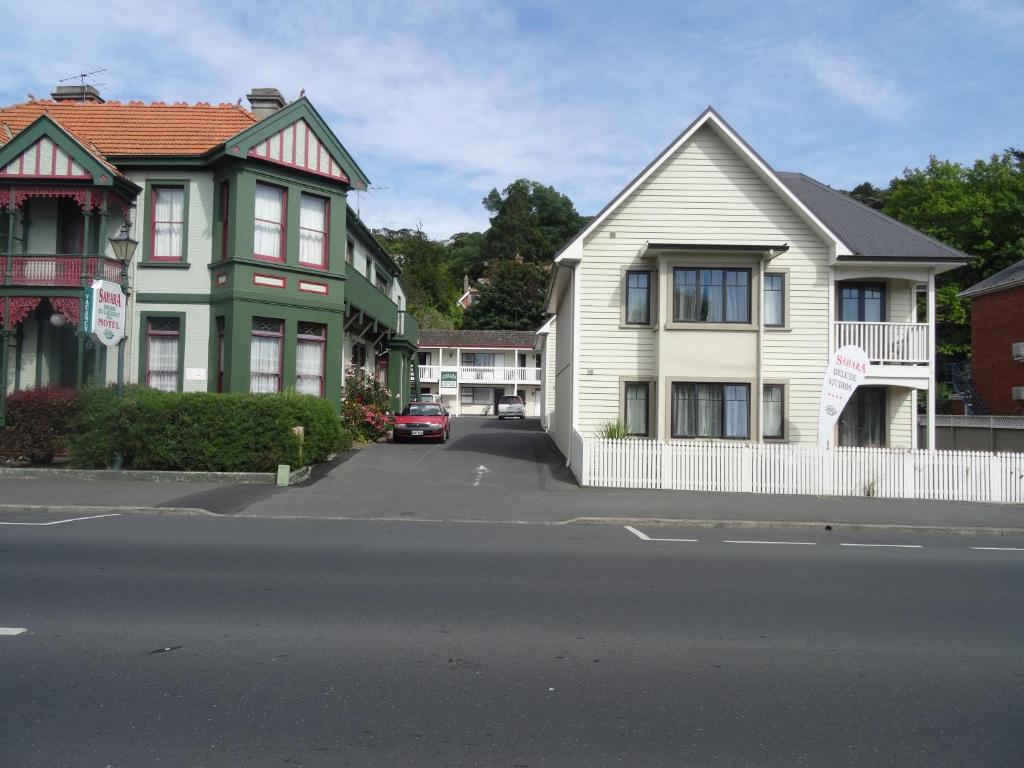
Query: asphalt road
191	641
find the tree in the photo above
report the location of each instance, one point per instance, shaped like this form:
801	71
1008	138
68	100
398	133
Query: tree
512	298
531	221
430	287
869	194
978	210
466	254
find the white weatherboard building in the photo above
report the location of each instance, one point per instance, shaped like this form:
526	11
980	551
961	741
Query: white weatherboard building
471	370
703	303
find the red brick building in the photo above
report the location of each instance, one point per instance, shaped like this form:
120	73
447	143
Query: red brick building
997	325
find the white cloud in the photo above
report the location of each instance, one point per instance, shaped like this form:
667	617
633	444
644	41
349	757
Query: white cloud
853	81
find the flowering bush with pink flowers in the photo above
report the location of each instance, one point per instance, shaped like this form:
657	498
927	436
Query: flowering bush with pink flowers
366	407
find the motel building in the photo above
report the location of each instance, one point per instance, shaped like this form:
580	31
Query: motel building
471	370
252	272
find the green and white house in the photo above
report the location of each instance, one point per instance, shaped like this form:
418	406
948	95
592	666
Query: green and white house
252	272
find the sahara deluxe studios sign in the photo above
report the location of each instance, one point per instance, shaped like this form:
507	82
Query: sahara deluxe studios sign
106	313
846	370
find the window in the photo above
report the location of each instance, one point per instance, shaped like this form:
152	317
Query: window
773	410
637	407
774	299
382	284
638	298
265	355
220	354
313	231
225	199
163	336
863	303
477	396
711	295
710	410
168	223
424	358
350	252
270	222
358	355
483	359
309	359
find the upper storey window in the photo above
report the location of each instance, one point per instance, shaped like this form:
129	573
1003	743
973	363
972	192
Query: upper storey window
270	222
313	231
711	295
168	223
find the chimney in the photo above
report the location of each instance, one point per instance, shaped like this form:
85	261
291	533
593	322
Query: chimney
465	283
83	93
265	101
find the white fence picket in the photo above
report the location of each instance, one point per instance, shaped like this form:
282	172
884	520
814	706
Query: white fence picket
773	468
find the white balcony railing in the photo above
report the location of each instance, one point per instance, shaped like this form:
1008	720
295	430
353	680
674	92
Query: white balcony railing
903	343
468	374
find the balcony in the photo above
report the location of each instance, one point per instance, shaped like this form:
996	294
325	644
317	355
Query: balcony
50	270
481	375
887	343
365	297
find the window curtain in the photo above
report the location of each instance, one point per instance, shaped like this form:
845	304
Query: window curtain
686	301
636	408
312	230
269	221
711	295
637	298
264	364
774	291
309	367
163	363
737	296
737	410
168	222
773	409
696	410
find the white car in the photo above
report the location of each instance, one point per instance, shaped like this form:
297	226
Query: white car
511	407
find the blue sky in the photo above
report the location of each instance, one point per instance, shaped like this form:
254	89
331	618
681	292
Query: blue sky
440	102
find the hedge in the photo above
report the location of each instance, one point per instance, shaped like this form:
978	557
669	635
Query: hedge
204	431
37	424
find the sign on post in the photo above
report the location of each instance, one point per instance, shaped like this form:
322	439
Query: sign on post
846	370
449	380
106	312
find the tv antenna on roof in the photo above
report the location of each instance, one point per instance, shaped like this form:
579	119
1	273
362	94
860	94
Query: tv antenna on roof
371	188
81	76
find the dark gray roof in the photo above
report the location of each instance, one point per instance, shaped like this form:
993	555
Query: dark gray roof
866	232
1010	277
477	339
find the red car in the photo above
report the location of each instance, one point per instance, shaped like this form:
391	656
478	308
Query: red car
422	421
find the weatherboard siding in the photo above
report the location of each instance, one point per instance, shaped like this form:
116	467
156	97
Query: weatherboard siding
703	193
562	428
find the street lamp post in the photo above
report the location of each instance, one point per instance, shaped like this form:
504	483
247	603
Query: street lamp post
124	247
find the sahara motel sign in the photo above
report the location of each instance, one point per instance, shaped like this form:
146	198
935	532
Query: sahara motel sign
106	314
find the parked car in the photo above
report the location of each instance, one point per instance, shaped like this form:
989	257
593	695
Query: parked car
511	407
422	421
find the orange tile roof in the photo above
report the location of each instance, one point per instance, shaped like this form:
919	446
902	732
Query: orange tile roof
135	128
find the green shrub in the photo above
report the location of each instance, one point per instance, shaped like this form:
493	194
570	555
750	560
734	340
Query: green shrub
205	432
37	424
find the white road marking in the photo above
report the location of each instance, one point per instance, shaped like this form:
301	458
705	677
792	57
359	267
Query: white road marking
70	520
895	546
796	543
689	541
639	534
480	473
11	631
1001	549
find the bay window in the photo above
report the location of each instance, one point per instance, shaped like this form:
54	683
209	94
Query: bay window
710	410
710	295
265	355
313	212
269	222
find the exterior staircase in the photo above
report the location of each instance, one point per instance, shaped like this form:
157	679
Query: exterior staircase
959	379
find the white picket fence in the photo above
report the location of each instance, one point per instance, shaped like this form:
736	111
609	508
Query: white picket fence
799	469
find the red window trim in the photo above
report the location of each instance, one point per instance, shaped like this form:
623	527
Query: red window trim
284	281
326	232
153	222
149	358
325	292
322	341
283	224
280	350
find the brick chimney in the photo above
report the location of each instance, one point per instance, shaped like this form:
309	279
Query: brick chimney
265	101
84	93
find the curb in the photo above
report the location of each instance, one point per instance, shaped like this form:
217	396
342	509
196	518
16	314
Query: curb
83	510
960	530
152	476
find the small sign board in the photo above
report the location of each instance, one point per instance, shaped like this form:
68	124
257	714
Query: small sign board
106	315
846	370
449	379
195	374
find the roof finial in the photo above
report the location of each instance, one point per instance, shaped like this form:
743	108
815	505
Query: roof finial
31	97
302	92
